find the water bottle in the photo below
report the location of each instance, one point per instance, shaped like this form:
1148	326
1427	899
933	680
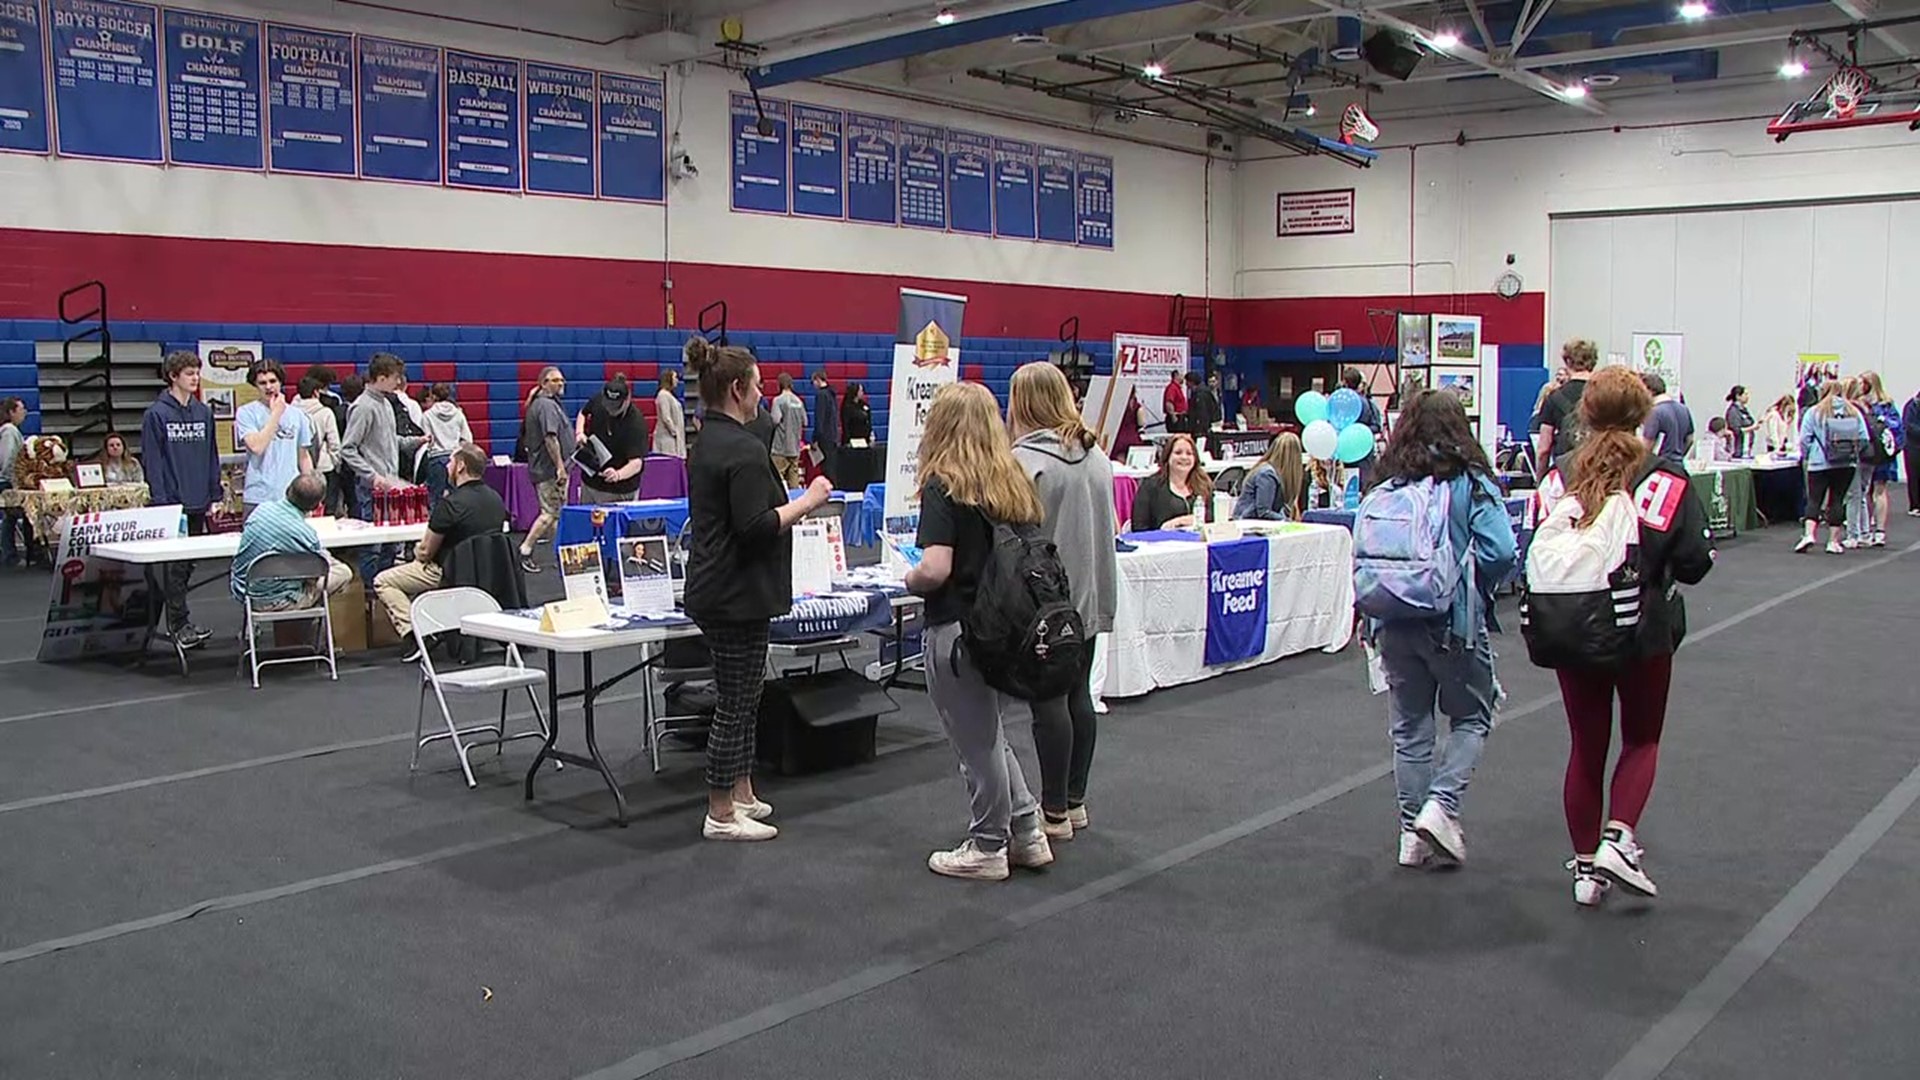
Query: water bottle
183	523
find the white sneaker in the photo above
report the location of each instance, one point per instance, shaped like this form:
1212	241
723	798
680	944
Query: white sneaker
1031	851
1879	540
1440	829
1056	830
1619	860
1913	513
1077	816
1589	889
1805	544
1100	707
1849	543
1835	549
759	809
1414	849
741	827
968	861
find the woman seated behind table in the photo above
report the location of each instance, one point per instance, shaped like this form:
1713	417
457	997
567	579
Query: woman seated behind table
120	467
1180	495
1273	490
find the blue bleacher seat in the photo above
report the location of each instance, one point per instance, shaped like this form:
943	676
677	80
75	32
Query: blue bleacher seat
298	353
443	335
594	336
499	411
476	335
528	335
17	352
410	335
308	333
465	354
500	354
343	358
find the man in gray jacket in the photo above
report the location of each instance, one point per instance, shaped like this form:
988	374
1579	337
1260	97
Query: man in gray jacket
371	447
789	428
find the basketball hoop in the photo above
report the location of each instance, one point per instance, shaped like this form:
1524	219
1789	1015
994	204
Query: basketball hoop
1845	90
1355	124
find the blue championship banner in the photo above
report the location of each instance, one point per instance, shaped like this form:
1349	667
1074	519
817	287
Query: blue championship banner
633	151
23	79
213	91
483	122
560	130
106	79
399	111
759	156
1053	196
873	169
310	102
923	176
1236	600
1013	164
969	183
1093	200
819	166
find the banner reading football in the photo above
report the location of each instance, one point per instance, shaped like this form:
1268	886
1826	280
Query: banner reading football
1236	600
1150	362
99	607
925	359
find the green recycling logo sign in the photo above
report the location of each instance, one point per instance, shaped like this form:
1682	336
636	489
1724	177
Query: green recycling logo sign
1652	353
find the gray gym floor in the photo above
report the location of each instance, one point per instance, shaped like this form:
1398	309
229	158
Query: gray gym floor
199	880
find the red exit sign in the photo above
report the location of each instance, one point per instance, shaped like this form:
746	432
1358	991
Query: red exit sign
1326	341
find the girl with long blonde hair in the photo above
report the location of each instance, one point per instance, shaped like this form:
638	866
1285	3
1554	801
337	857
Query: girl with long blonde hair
970	482
1603	819
1274	489
1075	483
1871	506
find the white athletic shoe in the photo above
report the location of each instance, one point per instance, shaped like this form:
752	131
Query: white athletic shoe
1619	860
1588	889
1835	549
1077	817
1056	830
1913	513
1804	545
1414	849
1879	540
1442	830
1850	543
741	827
968	861
1031	851
759	809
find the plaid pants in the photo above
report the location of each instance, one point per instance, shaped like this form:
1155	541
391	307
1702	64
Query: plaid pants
739	652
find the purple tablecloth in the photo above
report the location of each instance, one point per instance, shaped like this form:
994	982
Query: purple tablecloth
663	477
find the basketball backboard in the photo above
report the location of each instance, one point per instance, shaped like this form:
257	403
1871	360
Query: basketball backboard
1848	99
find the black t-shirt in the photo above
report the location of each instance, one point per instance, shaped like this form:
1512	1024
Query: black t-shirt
740	562
470	510
625	437
1562	413
945	523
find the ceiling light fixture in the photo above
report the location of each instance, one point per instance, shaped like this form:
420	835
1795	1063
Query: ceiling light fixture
1574	91
1312	109
1446	39
945	18
1153	70
1793	68
1694	9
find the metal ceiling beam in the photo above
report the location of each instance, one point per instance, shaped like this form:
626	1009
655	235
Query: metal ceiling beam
1480	24
1528	22
1519	77
1198	90
1081	95
1854	9
1731	39
1287	60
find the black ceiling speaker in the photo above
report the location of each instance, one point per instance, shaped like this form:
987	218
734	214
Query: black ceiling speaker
1391	54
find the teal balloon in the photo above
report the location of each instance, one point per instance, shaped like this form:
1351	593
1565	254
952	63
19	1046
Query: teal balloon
1310	406
1356	442
1343	408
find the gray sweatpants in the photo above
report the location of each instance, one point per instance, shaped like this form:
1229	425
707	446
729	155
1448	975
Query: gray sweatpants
970	711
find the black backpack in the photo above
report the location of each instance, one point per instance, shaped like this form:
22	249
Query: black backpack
1881	448
1023	631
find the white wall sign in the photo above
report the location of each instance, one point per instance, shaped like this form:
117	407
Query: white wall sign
1662	353
1150	362
1316	213
920	368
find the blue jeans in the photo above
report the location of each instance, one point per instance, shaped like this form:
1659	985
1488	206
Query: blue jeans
374	558
1426	674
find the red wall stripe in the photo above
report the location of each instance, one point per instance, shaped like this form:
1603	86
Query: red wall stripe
1292	321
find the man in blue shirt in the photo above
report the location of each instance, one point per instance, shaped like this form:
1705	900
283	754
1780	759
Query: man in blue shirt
1669	428
281	528
182	463
277	439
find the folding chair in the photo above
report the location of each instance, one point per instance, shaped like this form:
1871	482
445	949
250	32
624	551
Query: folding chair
1230	480
307	569
676	661
438	612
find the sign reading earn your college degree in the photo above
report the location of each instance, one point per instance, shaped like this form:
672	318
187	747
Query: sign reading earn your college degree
399	110
873	169
213	91
310	99
23	79
923	176
759	160
560	130
483	122
633	152
106	79
1236	600
1093	200
819	162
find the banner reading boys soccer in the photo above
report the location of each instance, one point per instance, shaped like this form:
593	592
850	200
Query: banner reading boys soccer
1150	362
925	359
1236	600
99	607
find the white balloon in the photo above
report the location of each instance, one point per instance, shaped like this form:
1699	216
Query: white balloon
1320	439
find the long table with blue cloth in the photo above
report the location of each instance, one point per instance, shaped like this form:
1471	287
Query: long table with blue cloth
608	522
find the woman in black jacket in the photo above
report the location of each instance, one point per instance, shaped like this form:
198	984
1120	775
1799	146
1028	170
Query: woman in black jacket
1674	550
856	415
739	574
1180	495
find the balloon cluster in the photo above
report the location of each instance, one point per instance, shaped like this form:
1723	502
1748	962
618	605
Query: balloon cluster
1333	430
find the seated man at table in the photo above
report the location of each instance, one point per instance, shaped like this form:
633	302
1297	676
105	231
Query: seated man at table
281	527
470	509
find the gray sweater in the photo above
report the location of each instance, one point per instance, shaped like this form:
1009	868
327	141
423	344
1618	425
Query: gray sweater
371	446
1076	491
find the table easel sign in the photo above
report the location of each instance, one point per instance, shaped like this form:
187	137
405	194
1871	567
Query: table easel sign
814	557
1105	407
90	475
581	573
646	575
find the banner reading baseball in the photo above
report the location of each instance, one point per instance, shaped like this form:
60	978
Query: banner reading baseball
1150	362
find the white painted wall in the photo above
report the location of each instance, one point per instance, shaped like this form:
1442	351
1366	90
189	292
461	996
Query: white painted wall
1455	212
1160	246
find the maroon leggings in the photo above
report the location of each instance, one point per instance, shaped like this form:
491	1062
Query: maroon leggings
1588	696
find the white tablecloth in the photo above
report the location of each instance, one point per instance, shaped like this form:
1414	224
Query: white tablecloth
1160	624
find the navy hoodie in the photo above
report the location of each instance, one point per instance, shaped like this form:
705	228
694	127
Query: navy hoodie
177	448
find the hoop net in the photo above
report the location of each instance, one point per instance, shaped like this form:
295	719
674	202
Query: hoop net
1845	90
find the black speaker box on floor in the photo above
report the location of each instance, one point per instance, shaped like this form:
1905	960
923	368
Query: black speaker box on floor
811	723
1391	54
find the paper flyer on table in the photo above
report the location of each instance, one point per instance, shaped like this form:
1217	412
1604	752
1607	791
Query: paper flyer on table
581	573
813	558
646	575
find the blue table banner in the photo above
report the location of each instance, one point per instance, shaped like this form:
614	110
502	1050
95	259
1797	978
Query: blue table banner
970	183
560	130
311	90
106	79
759	160
1093	200
1054	195
873	169
483	122
923	175
1236	600
633	143
213	91
23	80
1013	165
819	168
400	132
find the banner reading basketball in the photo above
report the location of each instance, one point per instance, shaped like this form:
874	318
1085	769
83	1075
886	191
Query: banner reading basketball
1150	362
925	359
